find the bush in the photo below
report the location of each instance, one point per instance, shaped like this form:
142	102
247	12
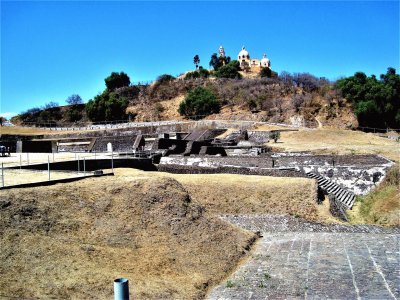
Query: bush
230	70
201	73
73	115
159	108
266	72
117	80
106	107
276	135
165	78
199	101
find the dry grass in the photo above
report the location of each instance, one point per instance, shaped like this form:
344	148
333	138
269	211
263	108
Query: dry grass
72	240
171	108
382	206
19	130
338	141
241	194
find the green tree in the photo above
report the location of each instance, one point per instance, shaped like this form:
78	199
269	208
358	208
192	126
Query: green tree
375	102
199	102
230	70
276	135
117	80
74	112
266	72
196	61
107	106
214	61
217	62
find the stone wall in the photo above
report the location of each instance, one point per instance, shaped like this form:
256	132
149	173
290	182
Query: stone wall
337	209
182	169
356	173
119	144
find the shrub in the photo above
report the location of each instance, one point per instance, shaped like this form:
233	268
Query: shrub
276	135
73	115
199	101
117	80
165	78
200	73
106	107
266	72
159	108
230	70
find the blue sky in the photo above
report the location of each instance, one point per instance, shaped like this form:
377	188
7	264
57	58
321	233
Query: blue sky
52	49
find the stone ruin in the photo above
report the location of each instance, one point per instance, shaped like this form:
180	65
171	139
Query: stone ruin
342	177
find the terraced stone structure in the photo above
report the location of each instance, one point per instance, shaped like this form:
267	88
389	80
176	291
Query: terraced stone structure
340	176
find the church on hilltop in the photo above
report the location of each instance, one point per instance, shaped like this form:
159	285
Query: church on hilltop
248	64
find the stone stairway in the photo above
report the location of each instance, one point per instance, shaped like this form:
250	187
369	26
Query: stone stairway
345	197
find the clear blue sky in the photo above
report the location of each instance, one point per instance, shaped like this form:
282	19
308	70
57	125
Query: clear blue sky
51	49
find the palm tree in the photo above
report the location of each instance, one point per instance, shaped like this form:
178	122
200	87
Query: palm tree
196	60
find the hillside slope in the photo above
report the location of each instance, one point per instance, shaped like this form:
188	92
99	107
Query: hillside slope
306	102
262	99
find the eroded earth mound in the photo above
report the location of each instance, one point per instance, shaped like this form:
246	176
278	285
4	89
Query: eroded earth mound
73	240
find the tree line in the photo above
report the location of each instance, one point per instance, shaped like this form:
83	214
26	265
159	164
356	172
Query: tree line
374	101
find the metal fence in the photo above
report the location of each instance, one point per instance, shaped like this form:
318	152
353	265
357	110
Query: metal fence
19	167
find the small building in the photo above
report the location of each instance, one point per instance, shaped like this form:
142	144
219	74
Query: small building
249	64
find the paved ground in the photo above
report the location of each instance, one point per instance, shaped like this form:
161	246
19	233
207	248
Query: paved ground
315	262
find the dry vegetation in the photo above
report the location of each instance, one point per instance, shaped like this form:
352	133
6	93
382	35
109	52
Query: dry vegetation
19	130
338	141
260	99
72	240
159	230
22	130
382	206
241	194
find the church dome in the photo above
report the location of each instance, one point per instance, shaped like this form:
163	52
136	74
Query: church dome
265	61
243	54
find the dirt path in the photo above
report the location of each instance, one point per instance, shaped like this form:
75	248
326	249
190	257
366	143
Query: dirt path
319	122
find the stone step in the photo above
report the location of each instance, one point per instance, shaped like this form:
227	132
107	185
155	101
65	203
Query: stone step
332	188
342	195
